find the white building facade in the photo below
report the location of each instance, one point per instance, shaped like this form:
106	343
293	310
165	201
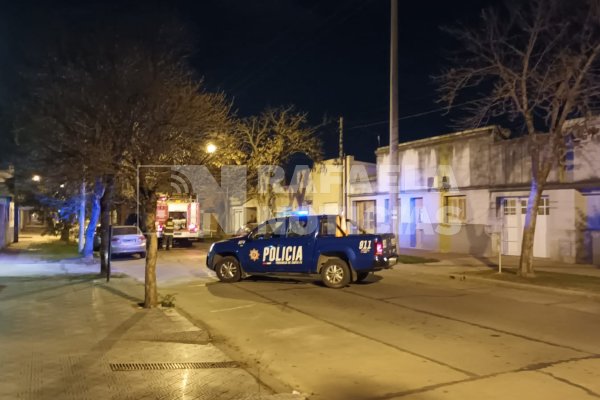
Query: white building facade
467	192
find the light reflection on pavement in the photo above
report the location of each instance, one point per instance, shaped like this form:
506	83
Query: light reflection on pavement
173	267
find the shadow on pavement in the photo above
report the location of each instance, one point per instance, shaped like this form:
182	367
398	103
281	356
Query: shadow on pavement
371	279
71	282
309	280
121	293
266	282
59	388
124	257
276	280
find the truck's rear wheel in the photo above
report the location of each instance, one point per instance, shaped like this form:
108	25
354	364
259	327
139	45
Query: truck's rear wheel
361	276
335	273
228	270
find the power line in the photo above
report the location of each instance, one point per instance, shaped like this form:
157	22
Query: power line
411	115
401	102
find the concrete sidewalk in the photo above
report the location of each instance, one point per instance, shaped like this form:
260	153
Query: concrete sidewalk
80	338
21	265
455	262
24	248
23	259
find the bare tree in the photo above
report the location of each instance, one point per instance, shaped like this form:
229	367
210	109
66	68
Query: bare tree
536	63
269	141
54	143
174	119
112	99
165	115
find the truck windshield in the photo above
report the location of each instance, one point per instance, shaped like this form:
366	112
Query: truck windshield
178	215
271	228
302	226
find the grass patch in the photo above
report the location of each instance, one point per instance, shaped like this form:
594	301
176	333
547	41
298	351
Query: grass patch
406	259
543	278
167	300
54	250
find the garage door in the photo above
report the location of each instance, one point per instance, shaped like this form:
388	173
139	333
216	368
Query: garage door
514	210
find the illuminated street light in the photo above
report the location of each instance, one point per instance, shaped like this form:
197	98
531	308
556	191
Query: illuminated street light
62	185
36	178
211	148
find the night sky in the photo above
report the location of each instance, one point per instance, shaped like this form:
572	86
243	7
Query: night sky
327	57
331	58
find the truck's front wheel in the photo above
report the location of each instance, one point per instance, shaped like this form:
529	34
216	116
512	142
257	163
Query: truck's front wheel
228	270
335	273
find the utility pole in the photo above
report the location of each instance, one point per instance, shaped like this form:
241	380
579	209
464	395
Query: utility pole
393	160
342	162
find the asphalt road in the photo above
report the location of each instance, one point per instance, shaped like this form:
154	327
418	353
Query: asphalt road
397	335
181	264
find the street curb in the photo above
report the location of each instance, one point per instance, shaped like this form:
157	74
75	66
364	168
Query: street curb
515	285
540	288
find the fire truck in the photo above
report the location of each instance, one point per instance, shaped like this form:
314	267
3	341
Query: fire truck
184	210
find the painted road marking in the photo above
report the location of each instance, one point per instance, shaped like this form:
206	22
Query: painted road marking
233	308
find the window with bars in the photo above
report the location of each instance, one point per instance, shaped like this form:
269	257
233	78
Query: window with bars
455	209
543	209
510	206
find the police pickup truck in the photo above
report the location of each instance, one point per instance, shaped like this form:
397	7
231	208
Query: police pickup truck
303	246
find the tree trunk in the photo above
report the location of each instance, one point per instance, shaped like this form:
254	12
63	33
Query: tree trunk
271	202
81	219
105	206
65	232
150	289
88	249
526	262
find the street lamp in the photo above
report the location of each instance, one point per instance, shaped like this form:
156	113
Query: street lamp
211	148
36	178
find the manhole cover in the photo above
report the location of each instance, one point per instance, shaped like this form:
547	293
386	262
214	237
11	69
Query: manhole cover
166	366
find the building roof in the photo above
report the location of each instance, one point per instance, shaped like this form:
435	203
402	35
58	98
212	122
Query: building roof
496	131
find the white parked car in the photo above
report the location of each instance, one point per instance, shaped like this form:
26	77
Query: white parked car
128	240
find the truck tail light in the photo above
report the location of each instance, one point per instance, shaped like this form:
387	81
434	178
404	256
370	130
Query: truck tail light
378	248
